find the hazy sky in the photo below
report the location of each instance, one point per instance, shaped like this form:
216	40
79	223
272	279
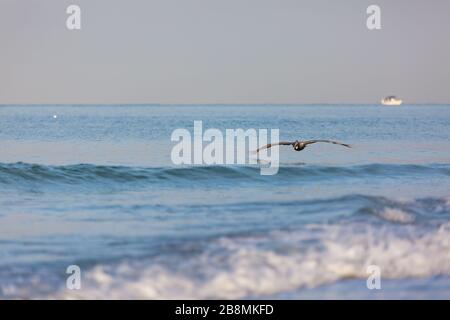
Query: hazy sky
224	51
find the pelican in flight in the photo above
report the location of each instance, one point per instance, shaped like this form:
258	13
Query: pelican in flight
299	145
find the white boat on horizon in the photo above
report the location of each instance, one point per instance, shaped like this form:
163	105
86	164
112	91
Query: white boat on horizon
391	101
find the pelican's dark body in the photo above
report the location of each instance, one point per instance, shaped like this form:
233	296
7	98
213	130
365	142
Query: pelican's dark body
298	146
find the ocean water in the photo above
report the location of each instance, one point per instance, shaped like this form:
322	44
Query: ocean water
95	187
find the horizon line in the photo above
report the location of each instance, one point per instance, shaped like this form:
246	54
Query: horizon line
215	104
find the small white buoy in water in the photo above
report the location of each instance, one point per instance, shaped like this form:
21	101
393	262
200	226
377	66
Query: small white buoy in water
55	116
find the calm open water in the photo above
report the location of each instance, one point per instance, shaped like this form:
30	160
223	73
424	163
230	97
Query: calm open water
95	187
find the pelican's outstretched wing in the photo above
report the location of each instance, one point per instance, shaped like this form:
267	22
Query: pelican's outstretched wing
270	145
327	141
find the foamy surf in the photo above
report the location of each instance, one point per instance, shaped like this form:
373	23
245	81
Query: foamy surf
320	249
273	263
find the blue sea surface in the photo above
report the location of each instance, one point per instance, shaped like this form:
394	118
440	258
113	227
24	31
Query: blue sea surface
95	186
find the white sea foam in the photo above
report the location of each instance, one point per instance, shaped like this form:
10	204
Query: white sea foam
397	215
277	262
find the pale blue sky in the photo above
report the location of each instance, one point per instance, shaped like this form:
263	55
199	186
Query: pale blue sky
224	51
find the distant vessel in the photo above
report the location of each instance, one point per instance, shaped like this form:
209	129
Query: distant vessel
391	101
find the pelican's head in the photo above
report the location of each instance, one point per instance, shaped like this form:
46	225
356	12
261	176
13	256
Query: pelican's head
298	146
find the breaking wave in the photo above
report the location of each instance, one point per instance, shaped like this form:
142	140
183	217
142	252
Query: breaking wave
277	262
380	231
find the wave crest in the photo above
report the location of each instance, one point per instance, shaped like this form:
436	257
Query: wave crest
24	173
